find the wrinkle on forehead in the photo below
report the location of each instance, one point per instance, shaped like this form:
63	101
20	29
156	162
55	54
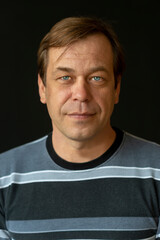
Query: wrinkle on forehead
59	51
94	40
68	51
88	46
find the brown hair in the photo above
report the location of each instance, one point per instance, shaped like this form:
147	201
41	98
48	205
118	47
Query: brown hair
71	29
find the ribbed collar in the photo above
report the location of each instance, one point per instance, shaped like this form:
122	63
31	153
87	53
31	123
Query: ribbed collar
87	165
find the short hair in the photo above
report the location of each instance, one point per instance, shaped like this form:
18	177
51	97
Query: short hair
72	29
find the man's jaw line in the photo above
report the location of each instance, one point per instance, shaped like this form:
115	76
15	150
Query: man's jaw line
80	149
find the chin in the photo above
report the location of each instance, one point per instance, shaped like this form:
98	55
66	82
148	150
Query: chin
80	137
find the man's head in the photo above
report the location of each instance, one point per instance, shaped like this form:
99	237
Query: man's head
80	60
70	30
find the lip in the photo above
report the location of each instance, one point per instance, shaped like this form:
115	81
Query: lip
82	116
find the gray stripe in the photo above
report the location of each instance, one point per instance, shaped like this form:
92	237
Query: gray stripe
83	224
97	173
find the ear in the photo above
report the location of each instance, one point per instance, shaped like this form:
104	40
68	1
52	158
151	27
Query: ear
42	90
117	90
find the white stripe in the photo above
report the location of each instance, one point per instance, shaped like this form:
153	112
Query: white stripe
150	238
97	173
4	234
83	229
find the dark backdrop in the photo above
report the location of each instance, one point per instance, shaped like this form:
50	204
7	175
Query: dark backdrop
22	26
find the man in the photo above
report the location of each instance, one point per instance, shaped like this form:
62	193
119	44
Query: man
85	180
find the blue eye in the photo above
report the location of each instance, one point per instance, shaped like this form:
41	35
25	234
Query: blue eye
97	78
66	78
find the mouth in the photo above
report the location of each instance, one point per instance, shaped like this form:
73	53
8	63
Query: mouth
80	116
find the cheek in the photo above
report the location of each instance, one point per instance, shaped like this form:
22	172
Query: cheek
56	99
106	101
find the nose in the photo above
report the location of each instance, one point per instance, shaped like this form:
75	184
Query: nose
81	91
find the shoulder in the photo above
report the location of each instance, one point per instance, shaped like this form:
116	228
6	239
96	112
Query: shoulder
140	151
140	143
19	158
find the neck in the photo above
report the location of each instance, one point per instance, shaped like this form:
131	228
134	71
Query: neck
82	151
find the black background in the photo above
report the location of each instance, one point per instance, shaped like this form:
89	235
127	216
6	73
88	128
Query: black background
22	26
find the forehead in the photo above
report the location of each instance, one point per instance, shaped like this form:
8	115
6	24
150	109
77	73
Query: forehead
94	47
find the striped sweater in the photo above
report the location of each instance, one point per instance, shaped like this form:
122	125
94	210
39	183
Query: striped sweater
116	196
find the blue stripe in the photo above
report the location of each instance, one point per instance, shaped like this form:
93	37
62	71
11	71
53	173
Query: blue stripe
83	224
97	173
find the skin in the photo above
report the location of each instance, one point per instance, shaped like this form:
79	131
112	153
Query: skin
80	95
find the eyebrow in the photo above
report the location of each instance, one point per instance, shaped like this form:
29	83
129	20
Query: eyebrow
91	70
65	69
99	68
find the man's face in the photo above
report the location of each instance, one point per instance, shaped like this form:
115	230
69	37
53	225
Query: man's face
80	88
